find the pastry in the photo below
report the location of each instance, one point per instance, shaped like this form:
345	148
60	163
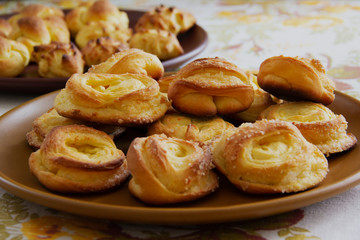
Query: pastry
78	159
131	61
58	59
165	18
43	124
119	99
5	28
169	170
161	43
317	123
14	57
99	50
38	10
268	157
296	79
210	86
188	127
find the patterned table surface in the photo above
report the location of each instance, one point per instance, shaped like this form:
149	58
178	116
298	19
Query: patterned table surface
244	32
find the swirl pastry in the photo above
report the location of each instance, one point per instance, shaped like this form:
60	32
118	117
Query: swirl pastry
296	79
77	158
186	127
317	123
210	86
165	18
161	43
99	50
268	157
119	99
131	61
169	170
58	59
14	57
43	124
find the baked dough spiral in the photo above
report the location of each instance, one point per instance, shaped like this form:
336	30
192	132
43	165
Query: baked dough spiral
77	158
268	157
169	170
317	123
131	61
188	127
210	86
296	79
119	99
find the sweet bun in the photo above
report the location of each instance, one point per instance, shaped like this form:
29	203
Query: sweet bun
43	124
38	10
169	170
188	127
99	50
165	18
161	43
296	79
210	86
14	57
78	159
58	59
119	99
317	123
268	157
131	61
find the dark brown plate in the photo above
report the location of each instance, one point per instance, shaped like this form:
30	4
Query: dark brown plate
193	42
226	204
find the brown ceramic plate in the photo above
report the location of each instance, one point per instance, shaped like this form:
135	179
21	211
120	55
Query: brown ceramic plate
226	204
193	42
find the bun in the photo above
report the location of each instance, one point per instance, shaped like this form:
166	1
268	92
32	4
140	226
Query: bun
169	170
210	86
119	99
268	157
77	158
299	79
317	123
131	61
58	59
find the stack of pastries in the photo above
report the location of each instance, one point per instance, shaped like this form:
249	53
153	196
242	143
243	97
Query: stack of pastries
209	119
62	43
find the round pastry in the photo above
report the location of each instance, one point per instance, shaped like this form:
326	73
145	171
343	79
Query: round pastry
296	79
43	124
14	57
5	27
58	59
317	123
77	158
119	99
268	157
90	11
131	61
187	127
165	18
169	170
210	86
161	43
38	10
99	50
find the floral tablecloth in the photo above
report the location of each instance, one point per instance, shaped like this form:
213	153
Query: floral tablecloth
246	33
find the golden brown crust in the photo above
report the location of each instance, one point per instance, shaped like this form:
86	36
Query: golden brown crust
296	79
317	123
99	50
5	27
119	99
161	43
210	86
77	158
165	81
131	61
169	170
188	127
165	18
269	157
58	59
